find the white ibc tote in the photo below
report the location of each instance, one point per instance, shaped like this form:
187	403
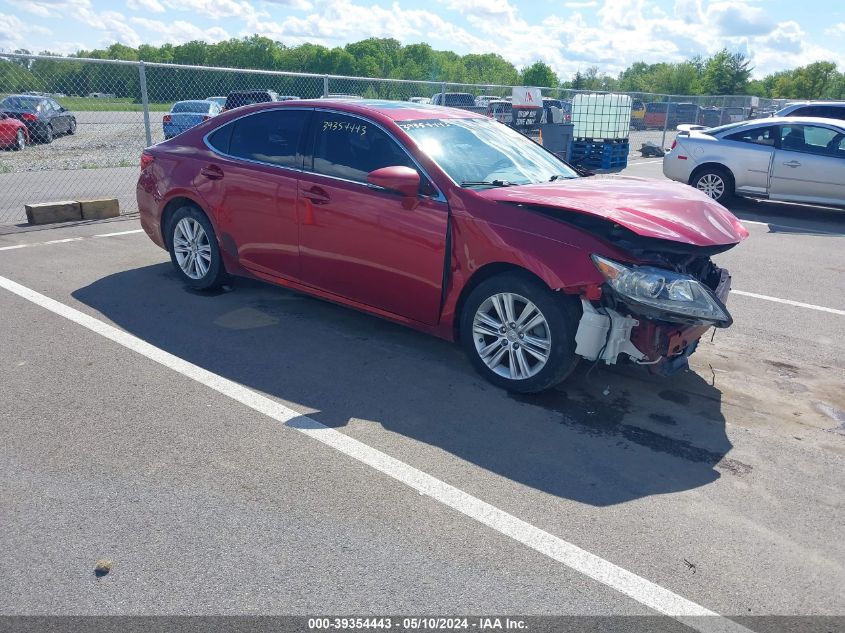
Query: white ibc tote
601	116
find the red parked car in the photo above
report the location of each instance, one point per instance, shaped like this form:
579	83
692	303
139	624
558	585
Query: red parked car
13	133
448	222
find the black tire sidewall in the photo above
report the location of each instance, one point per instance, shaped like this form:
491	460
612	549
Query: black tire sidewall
561	313
47	135
216	273
721	173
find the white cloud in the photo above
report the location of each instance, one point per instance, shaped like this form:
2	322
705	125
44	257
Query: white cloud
737	19
581	5
145	5
180	31
14	32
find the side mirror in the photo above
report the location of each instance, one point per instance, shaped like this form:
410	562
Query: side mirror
402	180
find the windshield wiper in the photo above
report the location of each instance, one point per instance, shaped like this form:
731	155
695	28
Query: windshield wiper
488	183
560	177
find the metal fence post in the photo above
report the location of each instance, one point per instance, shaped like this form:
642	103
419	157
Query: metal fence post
326	86
142	76
665	122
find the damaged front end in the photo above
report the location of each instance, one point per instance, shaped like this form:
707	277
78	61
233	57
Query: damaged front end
653	313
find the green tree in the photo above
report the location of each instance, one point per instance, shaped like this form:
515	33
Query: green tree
726	73
539	74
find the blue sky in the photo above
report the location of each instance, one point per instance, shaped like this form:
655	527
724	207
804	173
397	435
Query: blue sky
567	34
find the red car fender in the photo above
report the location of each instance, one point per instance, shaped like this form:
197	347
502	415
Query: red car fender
490	235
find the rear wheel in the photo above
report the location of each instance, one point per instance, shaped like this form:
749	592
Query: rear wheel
193	249
714	181
46	135
518	334
20	141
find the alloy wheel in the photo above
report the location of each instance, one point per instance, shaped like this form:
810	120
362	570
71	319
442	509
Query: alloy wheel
20	140
511	335
711	184
192	248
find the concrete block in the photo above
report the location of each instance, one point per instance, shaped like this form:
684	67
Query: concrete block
48	212
100	208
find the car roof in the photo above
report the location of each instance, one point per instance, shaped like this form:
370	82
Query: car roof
797	119
394	110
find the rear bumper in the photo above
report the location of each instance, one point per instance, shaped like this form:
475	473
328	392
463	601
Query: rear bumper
677	169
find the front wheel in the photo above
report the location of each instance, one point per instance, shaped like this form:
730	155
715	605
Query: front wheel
715	182
193	249
518	334
72	127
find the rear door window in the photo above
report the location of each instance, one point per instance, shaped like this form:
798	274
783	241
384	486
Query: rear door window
757	136
269	137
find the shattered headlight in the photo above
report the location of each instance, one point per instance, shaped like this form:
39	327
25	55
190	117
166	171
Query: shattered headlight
664	291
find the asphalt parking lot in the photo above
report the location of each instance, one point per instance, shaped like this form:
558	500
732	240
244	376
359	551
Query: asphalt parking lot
256	451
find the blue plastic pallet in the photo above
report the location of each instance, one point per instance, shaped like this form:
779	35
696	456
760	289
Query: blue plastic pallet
600	154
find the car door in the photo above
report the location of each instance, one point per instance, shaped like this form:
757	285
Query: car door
808	165
748	154
361	242
61	117
251	184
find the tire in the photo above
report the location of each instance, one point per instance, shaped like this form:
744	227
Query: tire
193	249
482	336
715	182
20	141
72	127
46	135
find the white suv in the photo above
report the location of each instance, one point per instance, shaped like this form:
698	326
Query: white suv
819	109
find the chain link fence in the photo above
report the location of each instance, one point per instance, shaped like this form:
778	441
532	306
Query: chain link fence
103	113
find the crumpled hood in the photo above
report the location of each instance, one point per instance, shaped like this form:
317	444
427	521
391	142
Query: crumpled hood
658	209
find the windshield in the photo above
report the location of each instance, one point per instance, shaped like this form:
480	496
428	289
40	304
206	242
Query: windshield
484	151
193	106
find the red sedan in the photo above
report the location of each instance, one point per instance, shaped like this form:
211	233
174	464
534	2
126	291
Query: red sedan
13	133
448	222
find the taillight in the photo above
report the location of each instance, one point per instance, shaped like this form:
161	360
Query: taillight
29	117
673	144
146	160
167	118
205	117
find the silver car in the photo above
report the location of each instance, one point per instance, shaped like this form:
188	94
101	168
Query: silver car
795	159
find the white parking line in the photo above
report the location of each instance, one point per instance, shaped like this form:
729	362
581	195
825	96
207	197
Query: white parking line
644	162
802	229
636	587
69	239
119	233
789	302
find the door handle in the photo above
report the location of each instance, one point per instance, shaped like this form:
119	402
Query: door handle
317	195
212	172
792	163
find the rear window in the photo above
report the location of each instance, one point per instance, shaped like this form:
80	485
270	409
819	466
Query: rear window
459	99
20	103
238	99
823	111
191	106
